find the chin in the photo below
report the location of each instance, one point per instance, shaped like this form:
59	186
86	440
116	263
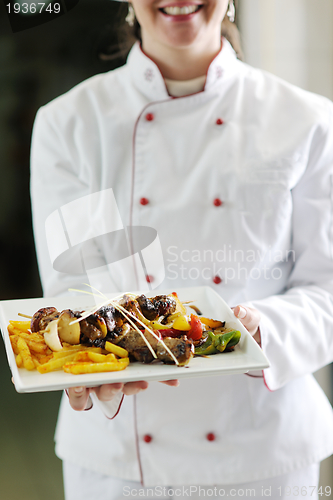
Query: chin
182	40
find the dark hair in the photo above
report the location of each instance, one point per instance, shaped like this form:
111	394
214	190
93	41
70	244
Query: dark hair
128	35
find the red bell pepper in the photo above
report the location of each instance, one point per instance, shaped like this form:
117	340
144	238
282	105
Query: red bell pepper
171	332
196	328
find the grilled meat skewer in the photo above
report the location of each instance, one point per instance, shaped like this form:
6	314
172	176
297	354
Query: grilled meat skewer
181	347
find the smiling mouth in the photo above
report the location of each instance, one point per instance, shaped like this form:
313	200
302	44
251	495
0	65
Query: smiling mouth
181	11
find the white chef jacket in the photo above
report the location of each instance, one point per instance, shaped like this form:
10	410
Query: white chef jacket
237	182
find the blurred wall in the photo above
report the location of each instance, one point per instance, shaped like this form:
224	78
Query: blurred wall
36	65
294	40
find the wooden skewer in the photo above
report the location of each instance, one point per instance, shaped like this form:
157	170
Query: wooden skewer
126	314
24	315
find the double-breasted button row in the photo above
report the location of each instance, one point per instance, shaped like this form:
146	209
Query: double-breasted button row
217	202
147	438
216	279
150	117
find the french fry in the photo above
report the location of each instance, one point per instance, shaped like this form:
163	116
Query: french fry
88	356
38	347
36	337
82	356
74	349
80	368
98	358
35	360
43	358
13	341
19	361
111	357
23	326
119	351
55	364
30	336
25	353
11	330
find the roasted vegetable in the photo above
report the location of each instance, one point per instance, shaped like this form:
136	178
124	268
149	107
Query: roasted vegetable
195	333
216	343
68	332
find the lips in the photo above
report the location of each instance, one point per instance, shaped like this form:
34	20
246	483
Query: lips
184	10
181	10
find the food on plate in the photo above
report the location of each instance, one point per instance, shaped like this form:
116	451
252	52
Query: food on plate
32	352
109	336
218	342
180	347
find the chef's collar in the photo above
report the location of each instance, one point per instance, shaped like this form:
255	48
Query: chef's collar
147	76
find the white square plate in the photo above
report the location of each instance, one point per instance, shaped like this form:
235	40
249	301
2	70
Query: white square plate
246	356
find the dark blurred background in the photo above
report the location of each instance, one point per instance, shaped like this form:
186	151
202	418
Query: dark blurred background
291	39
37	65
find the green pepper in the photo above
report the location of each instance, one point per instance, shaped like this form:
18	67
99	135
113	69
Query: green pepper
208	346
216	343
228	339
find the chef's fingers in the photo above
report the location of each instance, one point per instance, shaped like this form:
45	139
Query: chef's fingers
79	398
249	317
134	387
172	383
106	392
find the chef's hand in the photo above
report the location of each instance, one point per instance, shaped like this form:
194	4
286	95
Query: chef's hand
250	318
79	396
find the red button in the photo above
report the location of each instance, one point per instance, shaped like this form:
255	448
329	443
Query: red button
149	278
217	280
149	117
219	121
147	438
217	202
211	436
144	201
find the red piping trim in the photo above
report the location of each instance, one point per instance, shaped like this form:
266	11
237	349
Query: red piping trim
133	179
92	404
137	439
263	374
119	407
254	376
132	194
263	371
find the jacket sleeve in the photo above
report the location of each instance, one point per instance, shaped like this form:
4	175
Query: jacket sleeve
297	326
60	174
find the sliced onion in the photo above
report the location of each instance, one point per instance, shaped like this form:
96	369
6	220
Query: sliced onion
51	336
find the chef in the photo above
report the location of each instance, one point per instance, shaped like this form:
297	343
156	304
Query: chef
232	168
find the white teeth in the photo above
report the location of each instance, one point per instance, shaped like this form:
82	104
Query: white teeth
181	11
